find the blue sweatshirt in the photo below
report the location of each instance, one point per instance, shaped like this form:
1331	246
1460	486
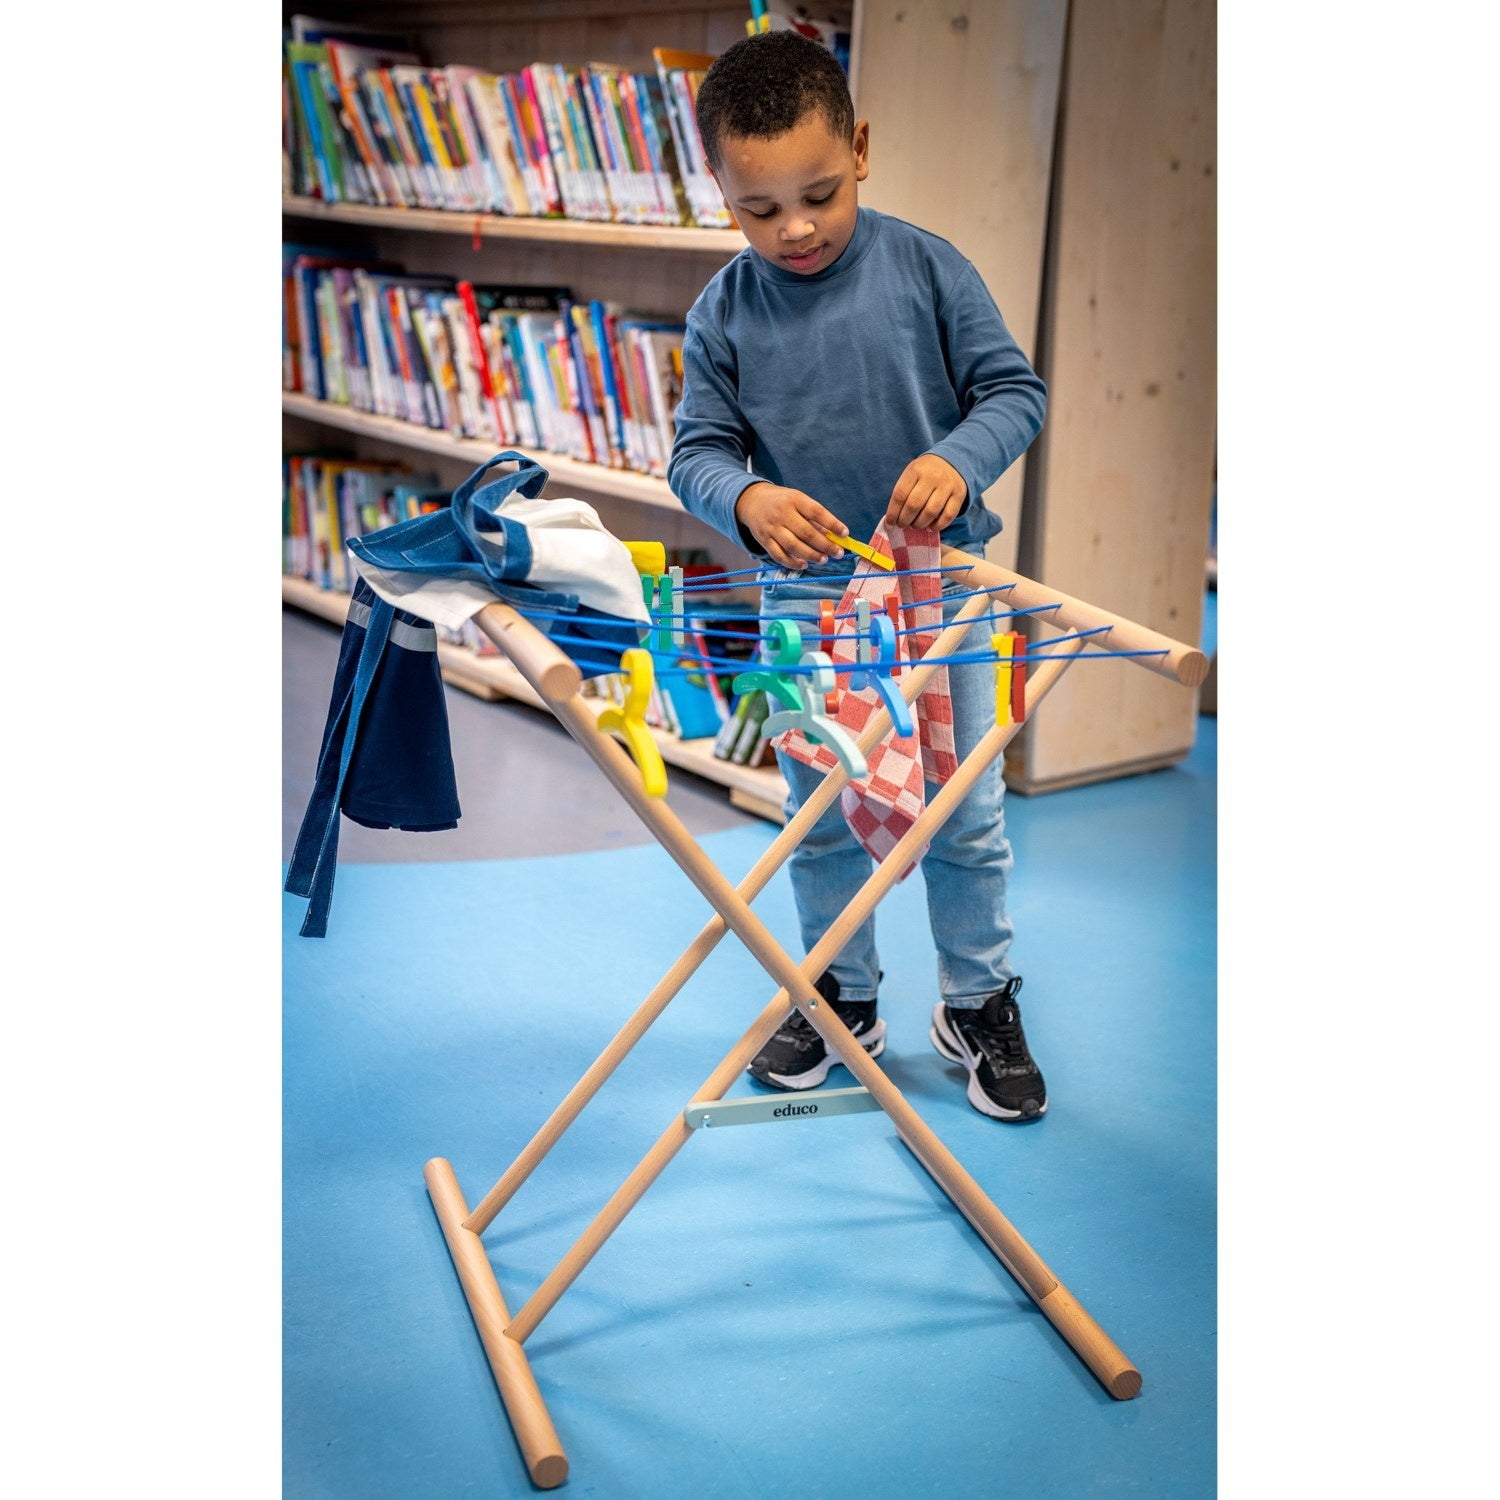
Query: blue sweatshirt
832	383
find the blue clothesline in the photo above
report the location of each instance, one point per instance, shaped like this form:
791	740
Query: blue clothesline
724	666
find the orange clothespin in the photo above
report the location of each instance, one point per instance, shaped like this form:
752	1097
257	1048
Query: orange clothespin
1003	647
630	720
826	629
893	609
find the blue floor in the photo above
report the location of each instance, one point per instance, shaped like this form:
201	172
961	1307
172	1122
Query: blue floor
792	1310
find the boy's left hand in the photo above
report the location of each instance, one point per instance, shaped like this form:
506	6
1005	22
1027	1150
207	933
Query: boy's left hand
929	494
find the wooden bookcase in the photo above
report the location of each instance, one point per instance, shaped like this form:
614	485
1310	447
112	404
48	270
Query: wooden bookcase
1068	151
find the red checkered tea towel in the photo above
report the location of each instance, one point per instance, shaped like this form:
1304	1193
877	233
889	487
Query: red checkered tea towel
882	805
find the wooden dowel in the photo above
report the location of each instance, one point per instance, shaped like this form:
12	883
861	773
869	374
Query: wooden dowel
1183	663
1092	1345
540	1446
540	661
484	1212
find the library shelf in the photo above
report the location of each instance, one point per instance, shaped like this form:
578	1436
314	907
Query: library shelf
725	242
624	484
758	790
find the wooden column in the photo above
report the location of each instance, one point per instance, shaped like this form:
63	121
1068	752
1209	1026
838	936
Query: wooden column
961	96
1120	485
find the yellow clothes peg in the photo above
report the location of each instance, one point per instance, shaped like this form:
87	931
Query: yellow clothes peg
859	549
630	720
649	558
1004	647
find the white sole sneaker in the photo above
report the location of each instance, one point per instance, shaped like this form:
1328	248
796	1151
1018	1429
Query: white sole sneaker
873	1041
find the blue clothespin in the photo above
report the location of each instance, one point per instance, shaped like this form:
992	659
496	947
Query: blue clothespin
883	643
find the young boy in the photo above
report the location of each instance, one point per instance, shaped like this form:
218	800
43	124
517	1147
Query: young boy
848	369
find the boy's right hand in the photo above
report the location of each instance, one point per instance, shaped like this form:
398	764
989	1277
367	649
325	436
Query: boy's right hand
791	526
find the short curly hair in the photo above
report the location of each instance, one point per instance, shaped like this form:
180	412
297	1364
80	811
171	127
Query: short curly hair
762	86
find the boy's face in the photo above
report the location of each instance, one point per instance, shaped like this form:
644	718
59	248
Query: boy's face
795	195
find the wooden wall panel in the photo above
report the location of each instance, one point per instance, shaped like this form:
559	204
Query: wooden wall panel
1120	487
962	97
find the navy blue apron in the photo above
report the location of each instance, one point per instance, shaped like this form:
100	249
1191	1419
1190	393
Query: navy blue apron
386	759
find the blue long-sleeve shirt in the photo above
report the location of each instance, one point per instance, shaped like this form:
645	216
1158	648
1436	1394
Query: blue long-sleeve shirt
832	383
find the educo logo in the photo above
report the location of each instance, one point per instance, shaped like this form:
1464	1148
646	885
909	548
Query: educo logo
787	1110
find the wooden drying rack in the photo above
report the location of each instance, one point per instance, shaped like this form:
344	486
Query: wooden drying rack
556	679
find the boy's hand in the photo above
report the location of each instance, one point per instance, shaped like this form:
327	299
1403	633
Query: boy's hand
929	493
791	526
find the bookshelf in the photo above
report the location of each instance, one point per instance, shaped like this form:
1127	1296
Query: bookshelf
563	472
719	242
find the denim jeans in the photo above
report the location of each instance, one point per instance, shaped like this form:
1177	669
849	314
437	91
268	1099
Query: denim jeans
967	866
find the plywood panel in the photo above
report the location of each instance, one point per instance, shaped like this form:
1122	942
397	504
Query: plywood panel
1121	482
962	96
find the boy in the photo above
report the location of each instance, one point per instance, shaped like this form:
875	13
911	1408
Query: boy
849	368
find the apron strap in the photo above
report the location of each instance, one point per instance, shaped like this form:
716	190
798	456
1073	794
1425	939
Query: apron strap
315	855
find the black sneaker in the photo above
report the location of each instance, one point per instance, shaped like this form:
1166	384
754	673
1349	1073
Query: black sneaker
1004	1082
798	1058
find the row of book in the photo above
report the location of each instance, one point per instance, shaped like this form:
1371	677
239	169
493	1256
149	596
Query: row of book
367	122
512	365
327	499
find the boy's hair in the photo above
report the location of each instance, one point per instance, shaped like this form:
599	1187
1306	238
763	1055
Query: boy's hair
762	86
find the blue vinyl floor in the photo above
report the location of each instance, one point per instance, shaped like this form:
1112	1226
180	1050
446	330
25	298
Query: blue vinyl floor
791	1310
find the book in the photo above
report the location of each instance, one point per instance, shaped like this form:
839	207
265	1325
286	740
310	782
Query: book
679	74
503	155
747	742
305	62
349	62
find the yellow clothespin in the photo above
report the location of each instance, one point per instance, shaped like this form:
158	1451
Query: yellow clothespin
859	549
1004	648
630	720
649	558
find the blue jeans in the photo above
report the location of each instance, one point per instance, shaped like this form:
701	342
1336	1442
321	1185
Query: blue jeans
966	868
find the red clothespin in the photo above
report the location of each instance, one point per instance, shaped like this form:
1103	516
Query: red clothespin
478	238
893	609
826	630
1017	678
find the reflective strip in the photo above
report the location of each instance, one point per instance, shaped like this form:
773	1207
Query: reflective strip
413	637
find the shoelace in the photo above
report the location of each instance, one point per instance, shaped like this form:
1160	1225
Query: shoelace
999	1035
1003	1041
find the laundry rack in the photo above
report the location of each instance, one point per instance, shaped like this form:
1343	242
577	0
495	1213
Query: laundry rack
557	680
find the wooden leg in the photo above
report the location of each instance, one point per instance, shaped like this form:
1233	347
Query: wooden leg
540	1446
